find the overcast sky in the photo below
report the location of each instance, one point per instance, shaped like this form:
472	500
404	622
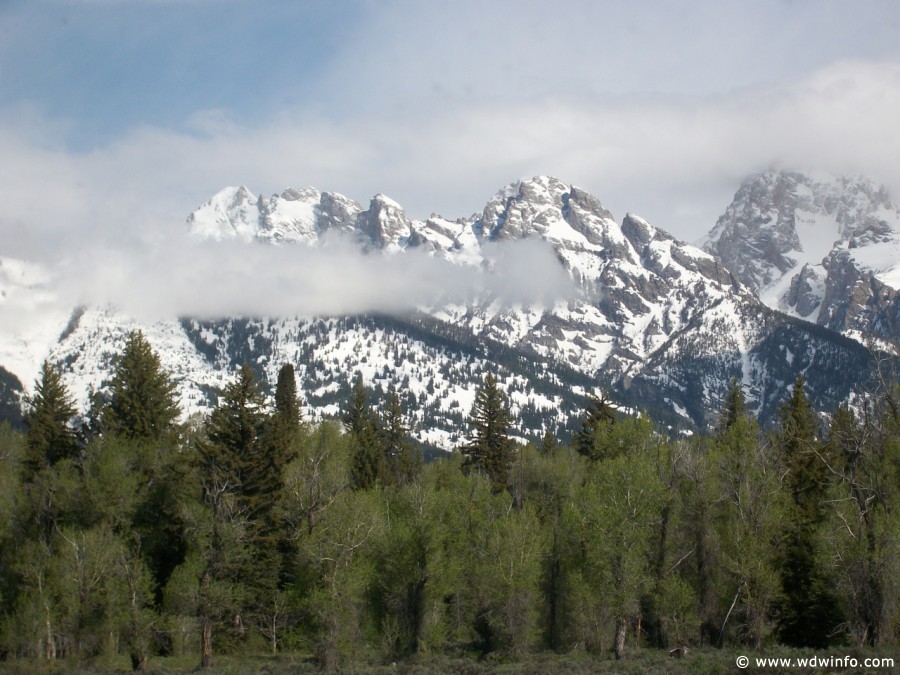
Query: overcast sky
119	117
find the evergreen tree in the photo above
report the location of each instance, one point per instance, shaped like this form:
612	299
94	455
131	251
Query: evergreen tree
599	417
402	459
809	610
491	448
50	437
367	462
237	489
142	396
234	431
734	407
284	433
800	448
255	474
548	444
286	419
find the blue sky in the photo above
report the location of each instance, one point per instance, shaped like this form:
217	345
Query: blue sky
118	117
107	67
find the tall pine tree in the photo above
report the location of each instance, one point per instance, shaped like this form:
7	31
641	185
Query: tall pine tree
239	483
233	450
490	450
285	425
599	417
50	436
402	459
809	611
284	435
367	462
142	396
734	407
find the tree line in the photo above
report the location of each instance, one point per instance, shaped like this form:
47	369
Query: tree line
125	531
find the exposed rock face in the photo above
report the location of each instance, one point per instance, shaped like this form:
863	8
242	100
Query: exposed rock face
806	291
826	250
756	237
856	302
385	224
337	213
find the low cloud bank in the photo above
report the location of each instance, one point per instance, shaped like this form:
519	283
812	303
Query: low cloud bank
214	280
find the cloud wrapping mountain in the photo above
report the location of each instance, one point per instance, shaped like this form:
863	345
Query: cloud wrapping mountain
211	280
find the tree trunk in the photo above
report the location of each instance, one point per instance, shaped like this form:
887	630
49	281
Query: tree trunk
274	635
138	662
51	643
621	630
206	653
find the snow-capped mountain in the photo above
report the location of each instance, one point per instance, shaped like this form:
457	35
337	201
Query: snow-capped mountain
823	249
660	324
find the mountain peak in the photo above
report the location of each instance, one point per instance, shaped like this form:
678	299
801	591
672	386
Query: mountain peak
229	214
779	221
385	222
803	240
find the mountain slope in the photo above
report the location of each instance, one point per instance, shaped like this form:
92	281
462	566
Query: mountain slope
661	325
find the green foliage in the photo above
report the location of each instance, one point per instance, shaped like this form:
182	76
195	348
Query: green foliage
78	591
50	436
610	529
368	466
490	449
251	531
338	555
810	613
142	396
400	554
603	435
484	567
597	422
750	521
52	499
315	478
113	483
862	527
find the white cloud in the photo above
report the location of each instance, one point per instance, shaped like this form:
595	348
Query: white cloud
215	279
674	160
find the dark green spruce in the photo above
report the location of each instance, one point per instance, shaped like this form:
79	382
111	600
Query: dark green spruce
490	448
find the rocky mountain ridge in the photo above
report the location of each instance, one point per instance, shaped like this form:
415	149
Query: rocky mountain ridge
659	324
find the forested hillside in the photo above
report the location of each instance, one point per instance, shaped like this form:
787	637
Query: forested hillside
124	532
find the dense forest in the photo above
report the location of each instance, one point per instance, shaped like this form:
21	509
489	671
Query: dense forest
126	531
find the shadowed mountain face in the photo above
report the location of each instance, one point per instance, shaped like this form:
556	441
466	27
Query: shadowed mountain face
662	325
